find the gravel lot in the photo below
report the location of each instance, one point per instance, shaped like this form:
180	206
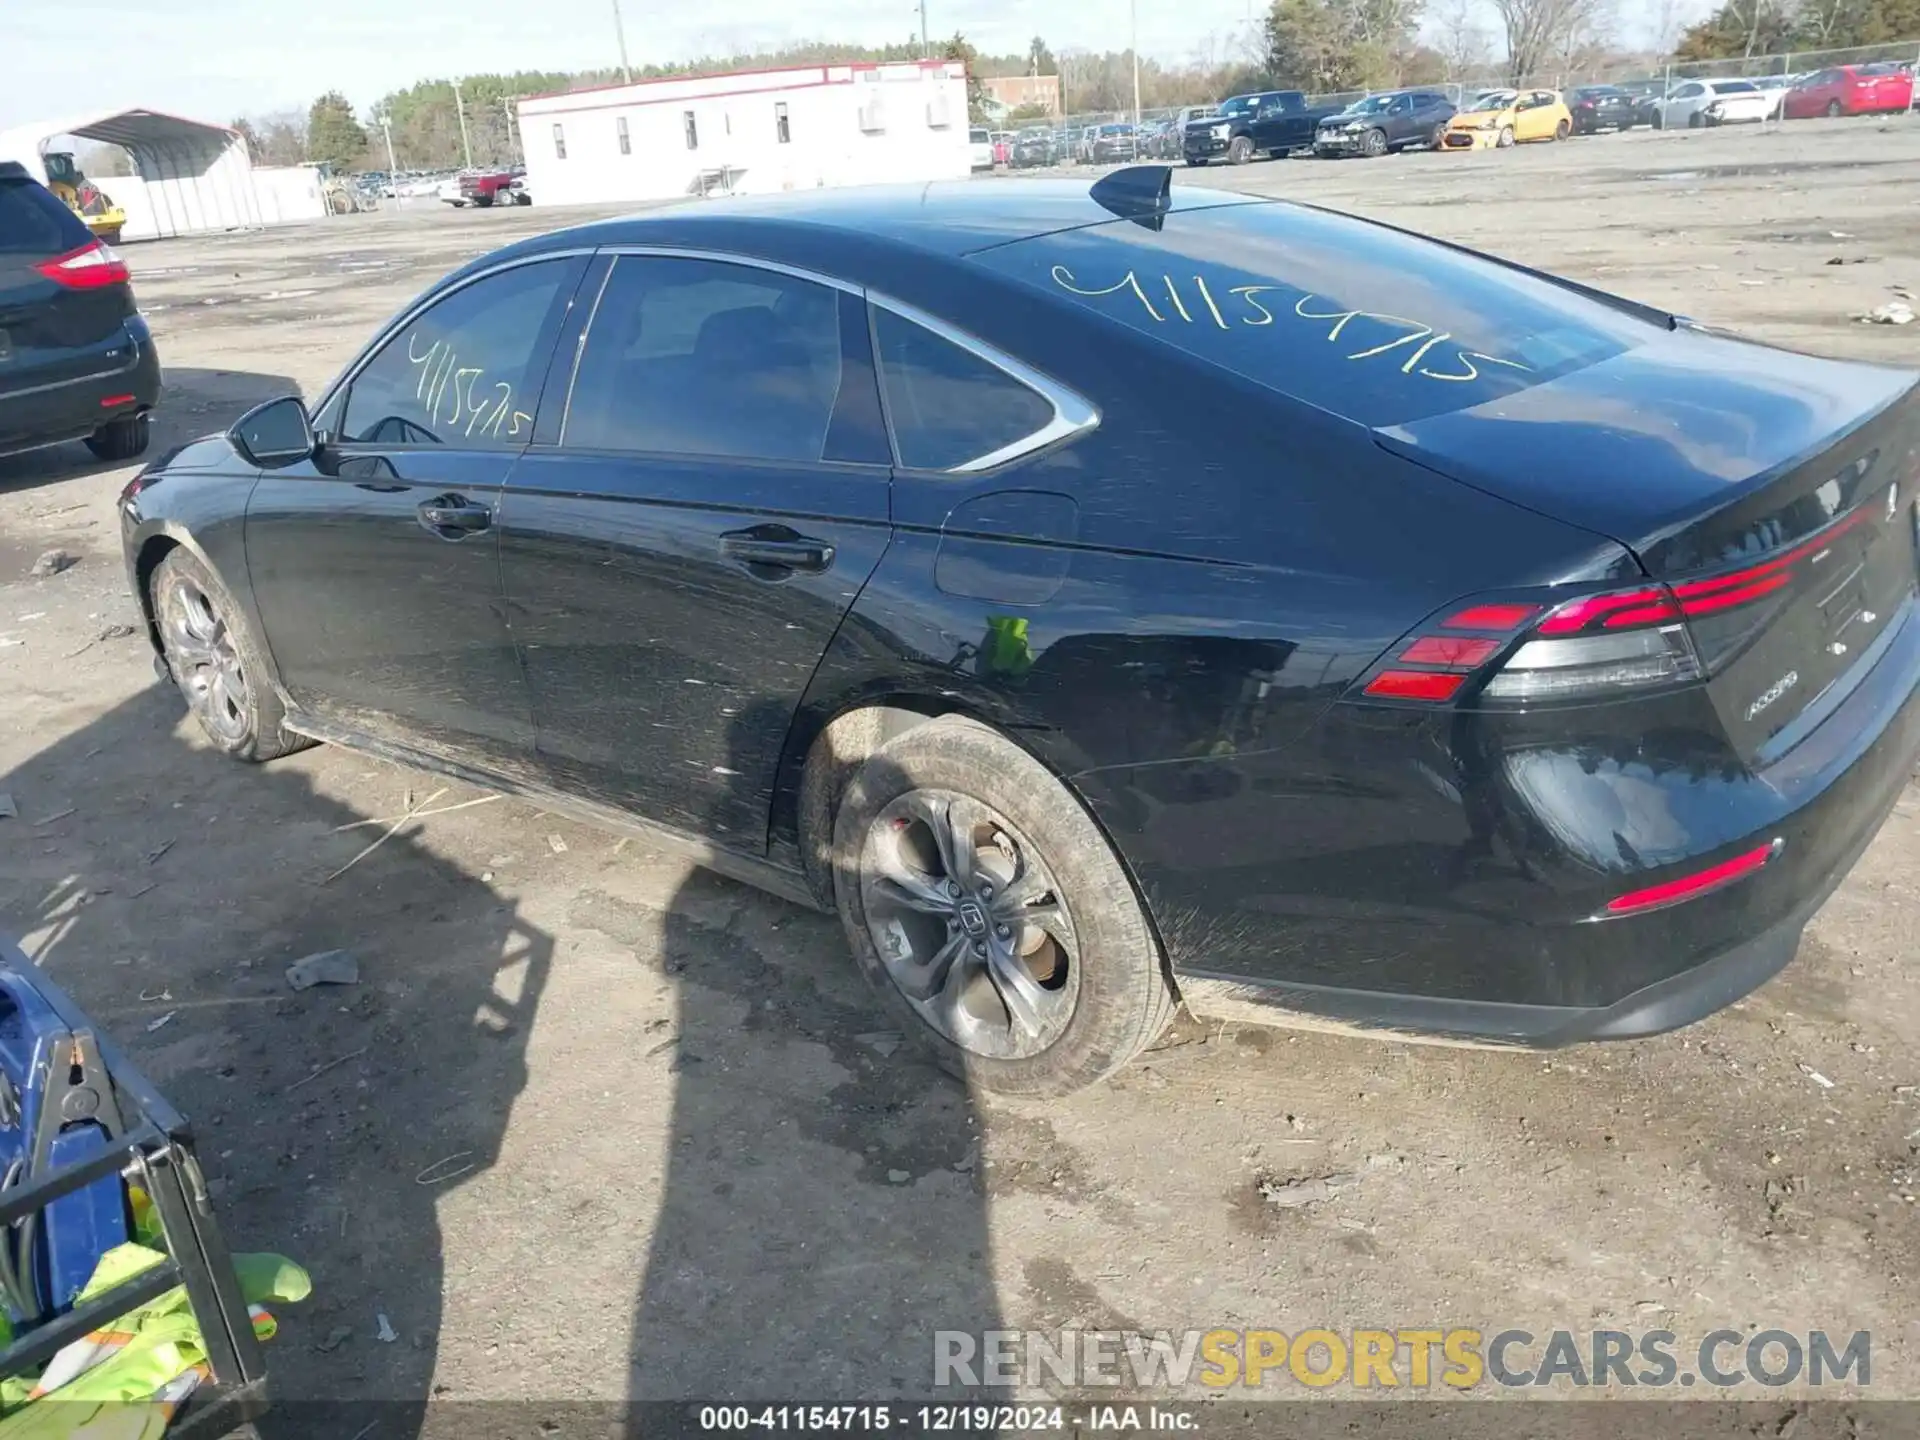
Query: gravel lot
673	1166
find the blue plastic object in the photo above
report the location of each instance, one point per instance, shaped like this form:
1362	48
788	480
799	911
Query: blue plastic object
56	1108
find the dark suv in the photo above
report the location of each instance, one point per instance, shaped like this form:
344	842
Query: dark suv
1392	120
76	359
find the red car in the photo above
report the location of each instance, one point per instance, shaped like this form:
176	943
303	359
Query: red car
1851	90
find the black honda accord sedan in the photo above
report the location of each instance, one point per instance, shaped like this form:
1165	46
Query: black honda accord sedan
1102	599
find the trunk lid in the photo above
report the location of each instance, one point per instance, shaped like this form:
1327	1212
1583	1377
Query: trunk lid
1774	492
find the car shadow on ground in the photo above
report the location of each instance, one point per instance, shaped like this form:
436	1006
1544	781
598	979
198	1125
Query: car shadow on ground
824	1205
334	1120
193	402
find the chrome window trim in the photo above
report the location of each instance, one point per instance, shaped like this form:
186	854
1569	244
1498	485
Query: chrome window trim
1073	413
345	379
728	257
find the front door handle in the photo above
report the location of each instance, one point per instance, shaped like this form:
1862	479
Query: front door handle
452	516
776	548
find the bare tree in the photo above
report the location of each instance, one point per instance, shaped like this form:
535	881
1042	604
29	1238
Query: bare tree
1541	31
1459	38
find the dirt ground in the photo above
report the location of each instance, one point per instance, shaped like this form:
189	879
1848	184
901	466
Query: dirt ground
593	1124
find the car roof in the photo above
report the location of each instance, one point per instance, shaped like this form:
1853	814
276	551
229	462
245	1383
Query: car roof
943	217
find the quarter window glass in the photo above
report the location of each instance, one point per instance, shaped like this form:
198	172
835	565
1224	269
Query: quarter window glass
697	357
948	405
465	373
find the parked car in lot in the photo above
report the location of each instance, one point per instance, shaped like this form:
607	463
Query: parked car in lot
1392	120
481	188
1176	134
980	148
1039	672
1647	97
1593	108
77	361
1850	90
1694	104
1033	146
1500	118
1114	143
1270	122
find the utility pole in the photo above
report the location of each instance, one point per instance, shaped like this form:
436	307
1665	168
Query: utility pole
620	30
1133	44
460	109
926	50
513	147
393	165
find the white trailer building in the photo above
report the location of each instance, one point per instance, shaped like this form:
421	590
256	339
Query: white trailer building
750	132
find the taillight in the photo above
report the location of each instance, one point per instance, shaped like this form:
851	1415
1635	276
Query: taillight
1594	646
1688	887
92	267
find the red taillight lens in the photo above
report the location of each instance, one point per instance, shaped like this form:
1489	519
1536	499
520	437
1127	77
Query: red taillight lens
1599	645
1687	887
92	267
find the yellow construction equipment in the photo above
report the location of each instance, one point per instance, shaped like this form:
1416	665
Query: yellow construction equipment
86	199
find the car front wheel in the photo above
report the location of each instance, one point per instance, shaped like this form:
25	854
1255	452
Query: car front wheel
214	659
1240	150
1506	137
1374	144
991	915
1563	129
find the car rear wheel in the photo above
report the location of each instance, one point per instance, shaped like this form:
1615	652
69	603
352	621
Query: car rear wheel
991	915
1696	121
1506	137
218	665
120	439
1835	109
483	201
1563	129
1240	149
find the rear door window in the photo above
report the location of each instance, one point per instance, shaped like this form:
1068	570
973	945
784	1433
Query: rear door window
33	223
1366	322
699	357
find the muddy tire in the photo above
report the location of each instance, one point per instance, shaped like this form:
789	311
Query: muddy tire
1016	952
221	669
120	439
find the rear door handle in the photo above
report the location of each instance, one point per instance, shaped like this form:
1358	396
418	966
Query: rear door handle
775	547
451	516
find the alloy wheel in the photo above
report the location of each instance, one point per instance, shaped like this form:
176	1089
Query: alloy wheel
970	924
205	660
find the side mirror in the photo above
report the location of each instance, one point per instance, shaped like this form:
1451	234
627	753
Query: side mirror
277	433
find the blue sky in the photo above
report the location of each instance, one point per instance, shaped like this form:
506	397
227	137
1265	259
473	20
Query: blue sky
215	59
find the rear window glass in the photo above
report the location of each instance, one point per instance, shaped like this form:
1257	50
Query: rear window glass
33	223
1734	87
1370	324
